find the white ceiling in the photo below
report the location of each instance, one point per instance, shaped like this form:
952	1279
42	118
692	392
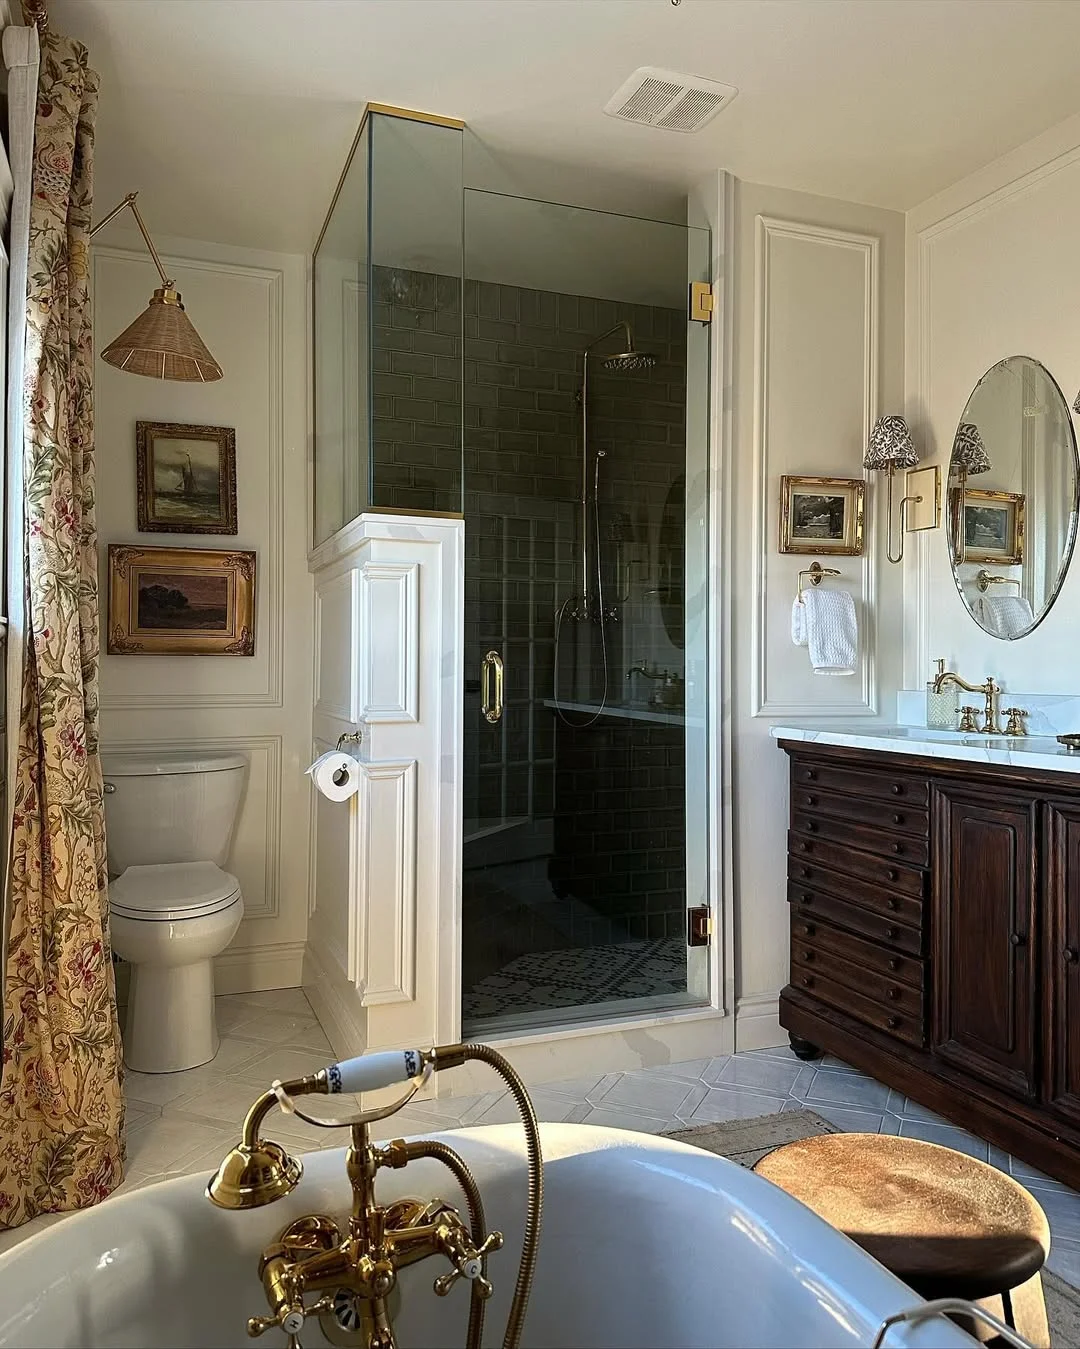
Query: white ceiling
233	117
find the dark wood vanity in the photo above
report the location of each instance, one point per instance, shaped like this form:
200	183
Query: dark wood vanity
935	936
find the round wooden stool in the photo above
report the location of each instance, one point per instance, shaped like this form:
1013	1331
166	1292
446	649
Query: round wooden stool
944	1223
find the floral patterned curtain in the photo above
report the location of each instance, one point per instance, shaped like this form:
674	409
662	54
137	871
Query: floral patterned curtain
61	1103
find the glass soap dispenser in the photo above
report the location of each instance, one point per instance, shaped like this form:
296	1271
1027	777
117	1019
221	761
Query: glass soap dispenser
941	707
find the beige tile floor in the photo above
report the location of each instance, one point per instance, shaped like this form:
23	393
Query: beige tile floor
183	1123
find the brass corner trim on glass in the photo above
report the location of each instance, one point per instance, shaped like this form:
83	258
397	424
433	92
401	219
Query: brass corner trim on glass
411	115
351	1270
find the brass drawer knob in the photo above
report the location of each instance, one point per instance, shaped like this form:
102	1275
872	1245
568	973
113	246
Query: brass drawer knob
897	790
898	819
898	847
804	871
808	981
809	929
1017	939
894	964
808	955
893	1022
892	903
804	847
891	934
807	897
811	800
811	774
892	994
891	874
811	827
1071	954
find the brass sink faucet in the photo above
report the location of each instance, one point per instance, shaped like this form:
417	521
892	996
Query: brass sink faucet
989	690
352	1271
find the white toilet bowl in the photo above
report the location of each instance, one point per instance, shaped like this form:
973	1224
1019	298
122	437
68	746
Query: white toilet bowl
169	921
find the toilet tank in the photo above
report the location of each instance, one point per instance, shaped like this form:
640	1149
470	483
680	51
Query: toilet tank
170	807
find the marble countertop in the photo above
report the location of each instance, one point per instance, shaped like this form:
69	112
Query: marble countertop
1031	751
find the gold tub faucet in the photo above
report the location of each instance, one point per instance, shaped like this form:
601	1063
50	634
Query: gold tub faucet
351	1270
989	689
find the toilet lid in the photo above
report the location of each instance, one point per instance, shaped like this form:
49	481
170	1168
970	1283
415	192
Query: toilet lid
172	891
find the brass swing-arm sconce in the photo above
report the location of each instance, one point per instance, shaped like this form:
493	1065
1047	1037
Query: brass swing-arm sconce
162	342
890	448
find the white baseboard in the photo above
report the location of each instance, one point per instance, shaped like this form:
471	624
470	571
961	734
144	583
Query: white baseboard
757	1022
253	969
335	1002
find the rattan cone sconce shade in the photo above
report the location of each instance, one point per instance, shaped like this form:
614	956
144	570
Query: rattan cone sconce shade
162	342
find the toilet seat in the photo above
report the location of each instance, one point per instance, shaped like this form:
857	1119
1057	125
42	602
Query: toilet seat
173	891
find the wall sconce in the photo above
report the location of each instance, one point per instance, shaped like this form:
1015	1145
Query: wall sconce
890	448
162	342
969	458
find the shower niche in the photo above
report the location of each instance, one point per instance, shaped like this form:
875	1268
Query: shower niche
532	366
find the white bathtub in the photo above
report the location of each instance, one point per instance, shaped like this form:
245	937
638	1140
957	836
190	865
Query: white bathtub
646	1242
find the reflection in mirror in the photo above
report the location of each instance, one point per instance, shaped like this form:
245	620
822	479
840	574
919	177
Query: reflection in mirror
1012	497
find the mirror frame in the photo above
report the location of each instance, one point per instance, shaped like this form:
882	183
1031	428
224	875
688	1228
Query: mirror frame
1067	552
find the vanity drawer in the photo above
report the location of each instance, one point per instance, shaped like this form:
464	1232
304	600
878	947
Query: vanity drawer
862	836
883	786
904	908
907	880
897	818
813	904
834	941
887	992
909	1026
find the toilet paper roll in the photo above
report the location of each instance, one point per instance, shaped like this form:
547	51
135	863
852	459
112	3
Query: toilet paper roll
336	775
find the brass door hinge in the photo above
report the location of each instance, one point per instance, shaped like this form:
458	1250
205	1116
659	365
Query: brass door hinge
698	926
701	301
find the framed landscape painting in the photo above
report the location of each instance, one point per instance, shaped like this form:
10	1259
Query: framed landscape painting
993	527
181	602
186	478
822	515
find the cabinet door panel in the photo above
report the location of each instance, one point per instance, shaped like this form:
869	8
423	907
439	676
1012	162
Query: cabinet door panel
1062	958
984	933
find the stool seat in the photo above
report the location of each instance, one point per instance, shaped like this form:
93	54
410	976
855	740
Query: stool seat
943	1222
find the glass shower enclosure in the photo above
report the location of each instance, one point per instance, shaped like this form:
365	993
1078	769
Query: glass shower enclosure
532	366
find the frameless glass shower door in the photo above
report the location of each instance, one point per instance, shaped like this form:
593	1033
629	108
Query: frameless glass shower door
584	407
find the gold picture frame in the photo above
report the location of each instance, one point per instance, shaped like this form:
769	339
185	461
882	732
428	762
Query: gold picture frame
993	526
185	478
824	516
181	601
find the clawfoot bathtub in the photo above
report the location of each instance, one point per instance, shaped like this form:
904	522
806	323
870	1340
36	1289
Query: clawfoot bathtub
646	1242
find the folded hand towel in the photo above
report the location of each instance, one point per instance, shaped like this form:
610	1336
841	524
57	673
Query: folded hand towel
798	623
1005	615
832	631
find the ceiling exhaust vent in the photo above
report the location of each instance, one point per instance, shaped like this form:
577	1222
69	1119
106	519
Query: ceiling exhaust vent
669	101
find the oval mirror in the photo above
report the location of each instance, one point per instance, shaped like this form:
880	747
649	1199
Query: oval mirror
1012	497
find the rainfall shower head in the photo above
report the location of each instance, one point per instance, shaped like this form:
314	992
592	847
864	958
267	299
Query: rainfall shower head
629	360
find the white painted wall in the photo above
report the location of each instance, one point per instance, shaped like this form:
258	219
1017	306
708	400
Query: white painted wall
992	269
250	309
818	355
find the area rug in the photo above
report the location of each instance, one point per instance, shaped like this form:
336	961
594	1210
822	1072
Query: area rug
746	1141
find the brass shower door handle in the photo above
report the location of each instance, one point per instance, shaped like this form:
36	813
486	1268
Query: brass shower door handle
492	708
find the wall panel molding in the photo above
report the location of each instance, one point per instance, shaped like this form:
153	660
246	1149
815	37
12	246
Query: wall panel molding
384	923
261	900
270	561
388	672
767	605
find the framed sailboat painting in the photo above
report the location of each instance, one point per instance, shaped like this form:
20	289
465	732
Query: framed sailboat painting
186	478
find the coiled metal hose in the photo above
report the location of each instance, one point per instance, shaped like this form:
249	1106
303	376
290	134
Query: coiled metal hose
452	1056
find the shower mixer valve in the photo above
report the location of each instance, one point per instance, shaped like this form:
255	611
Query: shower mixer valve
351	1270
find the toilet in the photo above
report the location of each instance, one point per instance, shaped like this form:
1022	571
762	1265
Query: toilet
169	822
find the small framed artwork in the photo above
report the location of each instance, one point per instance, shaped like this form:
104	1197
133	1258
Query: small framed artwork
993	526
822	515
181	602
186	478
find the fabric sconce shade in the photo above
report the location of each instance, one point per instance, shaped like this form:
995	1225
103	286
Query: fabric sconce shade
162	342
969	452
890	448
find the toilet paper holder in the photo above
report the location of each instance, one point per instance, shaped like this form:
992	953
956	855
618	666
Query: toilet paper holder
350	738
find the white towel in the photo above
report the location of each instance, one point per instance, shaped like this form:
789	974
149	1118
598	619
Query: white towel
1005	615
832	631
798	622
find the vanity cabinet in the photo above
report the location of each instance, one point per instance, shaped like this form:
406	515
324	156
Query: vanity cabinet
935	937
984	906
